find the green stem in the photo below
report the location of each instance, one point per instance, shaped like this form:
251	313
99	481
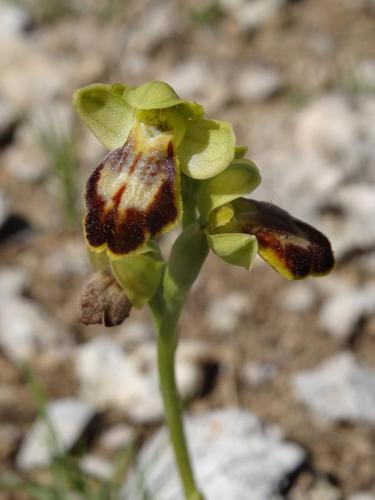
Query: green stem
173	413
187	257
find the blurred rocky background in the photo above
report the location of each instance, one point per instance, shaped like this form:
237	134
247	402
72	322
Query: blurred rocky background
278	377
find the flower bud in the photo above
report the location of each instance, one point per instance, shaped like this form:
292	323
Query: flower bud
103	301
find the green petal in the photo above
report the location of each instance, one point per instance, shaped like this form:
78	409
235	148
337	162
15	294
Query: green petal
235	248
152	95
240	151
207	148
105	112
139	275
292	247
240	178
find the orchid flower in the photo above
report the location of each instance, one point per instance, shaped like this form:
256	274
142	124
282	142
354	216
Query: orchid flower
237	228
134	194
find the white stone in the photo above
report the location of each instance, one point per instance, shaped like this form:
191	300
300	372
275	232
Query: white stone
327	127
257	373
69	260
13	282
339	389
253	14
235	457
25	161
197	81
68	418
112	377
342	312
116	437
363	496
134	332
257	83
297	298
26	330
224	313
189	79
96	466
13	19
154	27
320	489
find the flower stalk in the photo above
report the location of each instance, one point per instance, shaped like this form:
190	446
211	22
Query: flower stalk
187	257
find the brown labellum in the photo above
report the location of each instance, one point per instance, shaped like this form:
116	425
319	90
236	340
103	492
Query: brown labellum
132	195
292	247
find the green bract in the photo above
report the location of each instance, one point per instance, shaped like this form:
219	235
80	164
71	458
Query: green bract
204	147
139	274
214	197
235	248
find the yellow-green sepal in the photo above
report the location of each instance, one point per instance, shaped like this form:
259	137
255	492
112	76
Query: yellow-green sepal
240	178
152	95
105	112
240	151
234	248
207	148
98	260
139	275
191	110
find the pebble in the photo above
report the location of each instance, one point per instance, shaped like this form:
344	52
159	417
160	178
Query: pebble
134	332
224	313
252	15
257	373
328	128
321	489
258	83
153	28
116	437
13	19
339	389
298	298
69	418
198	82
97	467
112	377
24	160
235	457
68	260
190	79
26	330
13	281
343	311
